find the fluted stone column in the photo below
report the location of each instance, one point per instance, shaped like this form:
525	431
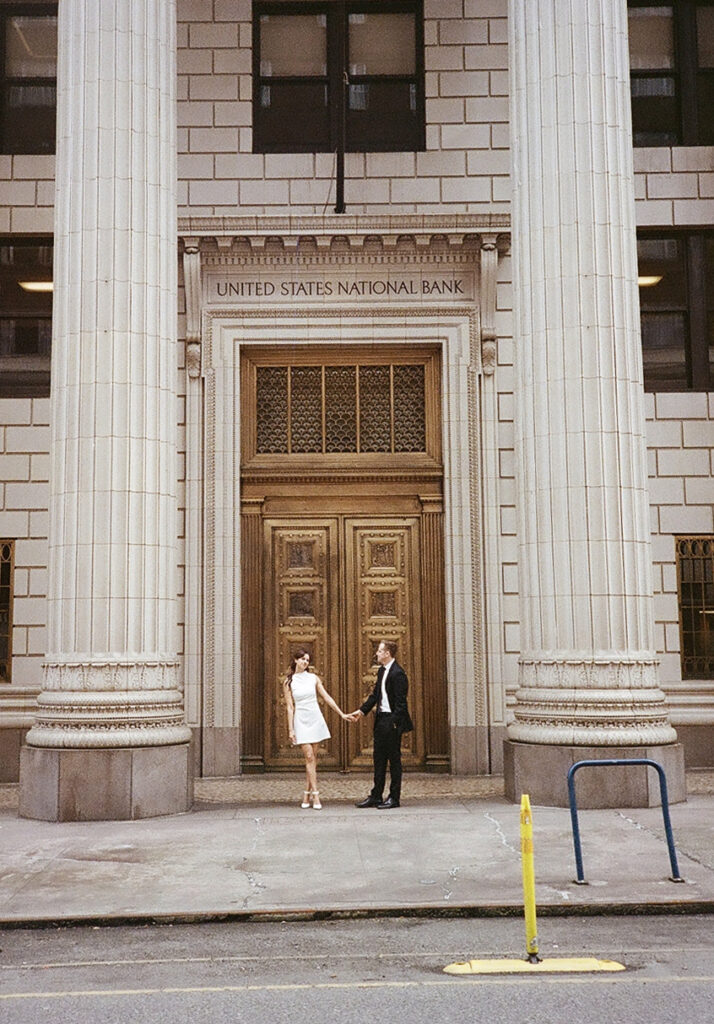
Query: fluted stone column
588	670
109	739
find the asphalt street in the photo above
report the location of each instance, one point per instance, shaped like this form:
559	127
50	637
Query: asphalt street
354	971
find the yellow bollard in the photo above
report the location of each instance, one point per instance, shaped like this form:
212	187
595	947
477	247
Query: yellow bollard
533	963
529	904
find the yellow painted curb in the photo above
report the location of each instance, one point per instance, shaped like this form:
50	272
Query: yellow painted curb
547	966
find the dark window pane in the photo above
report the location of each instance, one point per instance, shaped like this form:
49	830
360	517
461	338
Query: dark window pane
662	273
25	337
31	47
293	45
655	117
705	36
29	119
293	117
25	279
664	345
25	319
382	44
651	37
663	303
381	115
705	108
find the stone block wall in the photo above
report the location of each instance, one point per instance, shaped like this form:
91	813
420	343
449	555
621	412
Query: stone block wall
27	194
465	168
674	187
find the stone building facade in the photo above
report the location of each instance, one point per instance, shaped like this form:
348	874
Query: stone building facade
327	393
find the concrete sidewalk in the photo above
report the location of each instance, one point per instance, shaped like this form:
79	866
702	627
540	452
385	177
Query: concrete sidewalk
247	849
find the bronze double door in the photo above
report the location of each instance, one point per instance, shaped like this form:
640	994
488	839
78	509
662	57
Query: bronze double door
338	584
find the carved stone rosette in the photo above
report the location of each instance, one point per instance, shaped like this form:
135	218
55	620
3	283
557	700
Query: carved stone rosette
109	703
590	702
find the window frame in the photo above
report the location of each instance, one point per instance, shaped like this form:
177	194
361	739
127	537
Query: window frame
337	15
685	71
33	9
696	342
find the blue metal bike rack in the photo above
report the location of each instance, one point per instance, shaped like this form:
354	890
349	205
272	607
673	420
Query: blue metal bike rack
675	876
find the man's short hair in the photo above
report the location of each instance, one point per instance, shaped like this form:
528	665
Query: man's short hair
391	647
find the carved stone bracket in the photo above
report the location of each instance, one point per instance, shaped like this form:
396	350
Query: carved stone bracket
489	271
192	287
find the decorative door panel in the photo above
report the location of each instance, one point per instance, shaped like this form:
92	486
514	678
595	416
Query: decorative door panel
383	602
301	609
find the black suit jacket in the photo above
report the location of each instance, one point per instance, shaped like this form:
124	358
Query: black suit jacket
397	687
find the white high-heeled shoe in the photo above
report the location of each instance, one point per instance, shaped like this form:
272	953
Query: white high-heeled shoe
305	799
316	805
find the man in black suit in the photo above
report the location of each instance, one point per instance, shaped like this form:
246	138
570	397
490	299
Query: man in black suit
391	720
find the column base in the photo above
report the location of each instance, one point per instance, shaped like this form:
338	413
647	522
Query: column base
105	784
541	771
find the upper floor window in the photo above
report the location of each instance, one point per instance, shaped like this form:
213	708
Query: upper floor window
338	75
672	72
676	277
25	316
28	78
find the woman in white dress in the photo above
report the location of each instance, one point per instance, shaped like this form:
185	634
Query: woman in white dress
306	724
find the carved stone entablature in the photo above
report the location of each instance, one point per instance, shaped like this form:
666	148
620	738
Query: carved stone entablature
313	241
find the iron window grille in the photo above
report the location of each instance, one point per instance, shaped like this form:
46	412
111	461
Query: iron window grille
695	579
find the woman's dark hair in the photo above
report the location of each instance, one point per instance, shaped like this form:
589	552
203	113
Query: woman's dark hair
299	652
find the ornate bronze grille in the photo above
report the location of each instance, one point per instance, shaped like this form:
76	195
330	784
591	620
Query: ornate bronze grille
6	574
695	574
341	409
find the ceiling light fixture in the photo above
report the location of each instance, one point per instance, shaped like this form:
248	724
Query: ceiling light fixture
36	286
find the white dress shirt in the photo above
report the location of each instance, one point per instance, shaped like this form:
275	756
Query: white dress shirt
384	702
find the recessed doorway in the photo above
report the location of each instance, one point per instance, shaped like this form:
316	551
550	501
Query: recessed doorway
342	541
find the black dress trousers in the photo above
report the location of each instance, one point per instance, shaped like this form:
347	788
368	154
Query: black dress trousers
387	750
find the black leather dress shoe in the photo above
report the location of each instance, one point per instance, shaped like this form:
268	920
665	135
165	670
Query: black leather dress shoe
387	804
369	802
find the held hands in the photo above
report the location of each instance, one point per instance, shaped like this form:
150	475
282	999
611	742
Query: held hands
354	716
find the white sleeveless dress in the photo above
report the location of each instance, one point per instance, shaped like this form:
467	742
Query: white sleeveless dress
308	722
